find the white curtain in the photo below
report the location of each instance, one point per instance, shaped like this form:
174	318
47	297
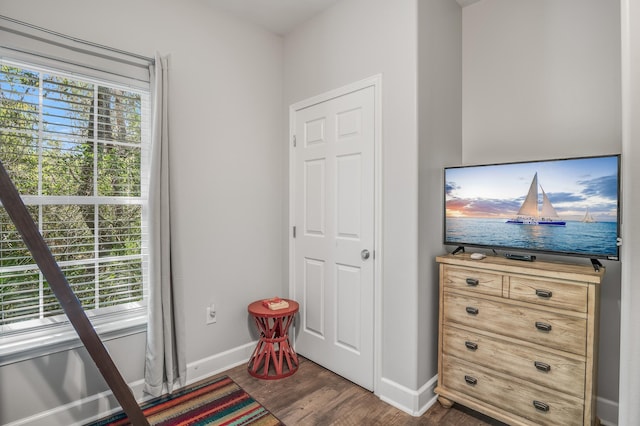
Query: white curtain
165	359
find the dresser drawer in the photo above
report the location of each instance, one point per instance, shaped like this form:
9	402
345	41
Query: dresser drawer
537	326
549	293
472	280
539	405
537	366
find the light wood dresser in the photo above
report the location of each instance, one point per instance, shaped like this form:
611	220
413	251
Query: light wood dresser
518	340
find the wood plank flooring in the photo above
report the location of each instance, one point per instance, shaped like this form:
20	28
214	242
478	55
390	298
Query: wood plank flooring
316	396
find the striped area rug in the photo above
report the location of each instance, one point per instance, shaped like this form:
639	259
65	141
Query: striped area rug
218	401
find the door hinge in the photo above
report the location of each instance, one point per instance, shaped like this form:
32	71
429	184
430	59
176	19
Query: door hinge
294	141
294	232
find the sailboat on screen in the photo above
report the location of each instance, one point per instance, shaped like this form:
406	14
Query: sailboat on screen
529	213
588	218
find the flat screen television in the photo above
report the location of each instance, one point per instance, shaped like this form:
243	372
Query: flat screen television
565	206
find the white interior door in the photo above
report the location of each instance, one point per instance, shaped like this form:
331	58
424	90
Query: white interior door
333	254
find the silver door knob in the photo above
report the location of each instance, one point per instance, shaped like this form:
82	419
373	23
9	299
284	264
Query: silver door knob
365	254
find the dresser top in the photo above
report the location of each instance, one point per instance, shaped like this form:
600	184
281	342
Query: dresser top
548	269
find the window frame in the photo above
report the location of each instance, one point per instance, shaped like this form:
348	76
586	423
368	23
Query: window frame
33	338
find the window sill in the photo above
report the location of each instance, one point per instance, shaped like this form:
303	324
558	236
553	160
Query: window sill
62	336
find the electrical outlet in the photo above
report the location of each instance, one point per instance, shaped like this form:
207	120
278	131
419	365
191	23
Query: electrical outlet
211	314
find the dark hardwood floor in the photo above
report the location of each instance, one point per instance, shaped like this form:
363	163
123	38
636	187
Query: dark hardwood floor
316	396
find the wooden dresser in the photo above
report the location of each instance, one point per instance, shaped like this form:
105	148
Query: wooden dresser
518	340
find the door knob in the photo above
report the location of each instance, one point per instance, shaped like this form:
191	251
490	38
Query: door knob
365	254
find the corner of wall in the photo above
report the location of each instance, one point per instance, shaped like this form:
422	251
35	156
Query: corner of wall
607	411
415	403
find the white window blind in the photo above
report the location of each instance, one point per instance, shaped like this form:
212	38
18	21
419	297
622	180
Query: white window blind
36	45
76	147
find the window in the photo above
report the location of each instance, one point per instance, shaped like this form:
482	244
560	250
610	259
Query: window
77	151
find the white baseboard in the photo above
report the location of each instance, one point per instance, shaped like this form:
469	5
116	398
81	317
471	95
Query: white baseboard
82	411
410	401
100	405
607	410
218	363
415	403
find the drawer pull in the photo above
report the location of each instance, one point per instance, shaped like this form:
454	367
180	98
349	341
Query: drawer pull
471	345
541	406
472	311
471	380
542	366
543	326
472	282
545	294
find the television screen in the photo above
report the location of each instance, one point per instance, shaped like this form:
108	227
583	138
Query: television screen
566	206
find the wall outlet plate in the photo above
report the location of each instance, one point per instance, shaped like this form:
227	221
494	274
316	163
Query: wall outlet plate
211	314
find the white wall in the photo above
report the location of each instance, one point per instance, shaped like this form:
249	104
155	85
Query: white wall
351	41
541	79
630	318
416	47
227	144
440	144
226	130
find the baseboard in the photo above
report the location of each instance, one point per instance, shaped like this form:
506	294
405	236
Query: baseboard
607	411
80	412
410	401
218	363
415	403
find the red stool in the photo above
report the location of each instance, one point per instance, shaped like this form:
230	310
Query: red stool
273	358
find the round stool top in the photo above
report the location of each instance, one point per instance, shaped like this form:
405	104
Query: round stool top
259	310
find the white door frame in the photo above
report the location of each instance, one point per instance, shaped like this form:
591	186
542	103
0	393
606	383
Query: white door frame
375	82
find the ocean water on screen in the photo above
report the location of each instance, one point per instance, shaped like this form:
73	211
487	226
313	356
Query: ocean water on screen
576	237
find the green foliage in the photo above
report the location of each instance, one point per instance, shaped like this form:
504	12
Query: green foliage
61	138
